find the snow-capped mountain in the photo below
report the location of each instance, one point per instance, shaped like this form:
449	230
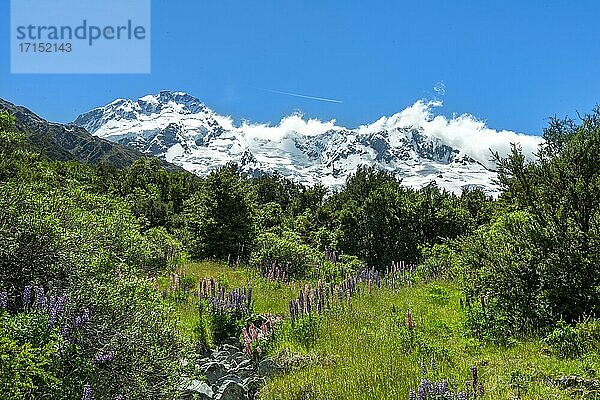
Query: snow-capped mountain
421	149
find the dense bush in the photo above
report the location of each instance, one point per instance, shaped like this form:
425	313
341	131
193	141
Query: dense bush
287	251
538	265
573	341
380	221
63	230
218	218
439	261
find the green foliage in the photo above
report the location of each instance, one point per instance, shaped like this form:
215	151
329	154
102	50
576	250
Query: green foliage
500	268
381	221
29	357
573	341
564	341
304	331
520	382
286	250
129	318
538	264
164	250
439	261
218	219
222	324
438	294
269	216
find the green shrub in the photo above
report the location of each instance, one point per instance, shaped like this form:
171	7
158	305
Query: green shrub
573	341
439	261
29	370
286	249
164	250
565	341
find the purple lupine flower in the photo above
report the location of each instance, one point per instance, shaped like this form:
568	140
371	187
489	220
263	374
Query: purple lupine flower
444	386
474	375
433	364
421	393
81	319
40	297
102	358
87	393
412	395
85	316
481	391
64	332
423	368
462	396
4	300
119	397
26	296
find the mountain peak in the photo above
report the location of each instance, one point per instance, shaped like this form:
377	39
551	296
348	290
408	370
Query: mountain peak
418	146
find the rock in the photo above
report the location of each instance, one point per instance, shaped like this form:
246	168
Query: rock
244	372
577	382
230	377
195	389
238	358
268	368
245	363
231	390
221	355
253	384
230	348
203	361
213	371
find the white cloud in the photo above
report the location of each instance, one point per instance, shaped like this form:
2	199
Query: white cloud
290	125
463	132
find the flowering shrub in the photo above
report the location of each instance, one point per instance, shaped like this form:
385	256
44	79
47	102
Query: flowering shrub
439	388
39	344
226	312
255	339
285	250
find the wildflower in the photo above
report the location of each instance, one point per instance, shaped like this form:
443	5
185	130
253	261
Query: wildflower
263	329
26	296
87	393
433	364
474	376
253	332
102	358
40	297
409	320
421	392
412	395
4	300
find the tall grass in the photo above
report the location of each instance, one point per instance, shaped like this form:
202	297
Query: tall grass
364	350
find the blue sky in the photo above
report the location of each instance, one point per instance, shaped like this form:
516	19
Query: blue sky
512	63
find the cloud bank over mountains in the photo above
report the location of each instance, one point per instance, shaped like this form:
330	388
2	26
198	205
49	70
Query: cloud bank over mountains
419	144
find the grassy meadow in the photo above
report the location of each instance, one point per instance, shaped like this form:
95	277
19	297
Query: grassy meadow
362	349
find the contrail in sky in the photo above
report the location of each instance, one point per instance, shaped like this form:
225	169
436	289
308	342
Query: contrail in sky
302	96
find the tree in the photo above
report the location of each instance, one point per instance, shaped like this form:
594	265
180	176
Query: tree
552	250
218	218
